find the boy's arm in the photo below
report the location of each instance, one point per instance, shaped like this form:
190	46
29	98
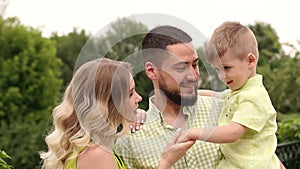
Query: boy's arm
221	134
203	92
211	93
174	151
282	166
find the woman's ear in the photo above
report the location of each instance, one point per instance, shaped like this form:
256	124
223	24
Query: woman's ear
151	70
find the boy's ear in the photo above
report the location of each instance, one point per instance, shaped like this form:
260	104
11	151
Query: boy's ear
251	58
151	70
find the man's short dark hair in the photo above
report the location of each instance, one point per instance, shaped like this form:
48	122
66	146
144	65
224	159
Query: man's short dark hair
155	42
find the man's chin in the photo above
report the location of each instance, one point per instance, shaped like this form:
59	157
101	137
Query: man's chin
188	100
188	96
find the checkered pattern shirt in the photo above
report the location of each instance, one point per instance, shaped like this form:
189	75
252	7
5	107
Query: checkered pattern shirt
143	149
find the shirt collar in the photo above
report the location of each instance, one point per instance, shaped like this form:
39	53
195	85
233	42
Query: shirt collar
156	113
256	80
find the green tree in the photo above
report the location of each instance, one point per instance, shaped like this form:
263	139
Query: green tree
67	49
281	71
268	42
121	40
3	163
29	88
288	130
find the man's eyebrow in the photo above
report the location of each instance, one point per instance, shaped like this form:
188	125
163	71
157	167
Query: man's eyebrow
183	62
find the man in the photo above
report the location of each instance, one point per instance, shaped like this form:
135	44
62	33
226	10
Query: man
171	62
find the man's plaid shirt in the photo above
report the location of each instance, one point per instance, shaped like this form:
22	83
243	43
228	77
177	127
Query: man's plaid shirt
143	149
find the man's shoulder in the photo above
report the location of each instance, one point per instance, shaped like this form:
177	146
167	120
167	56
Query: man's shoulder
147	129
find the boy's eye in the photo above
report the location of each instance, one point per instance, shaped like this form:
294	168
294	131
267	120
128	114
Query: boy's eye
226	67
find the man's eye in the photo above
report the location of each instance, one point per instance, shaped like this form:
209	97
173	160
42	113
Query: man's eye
195	66
180	68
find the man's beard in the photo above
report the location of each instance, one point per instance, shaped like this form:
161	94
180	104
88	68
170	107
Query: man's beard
174	95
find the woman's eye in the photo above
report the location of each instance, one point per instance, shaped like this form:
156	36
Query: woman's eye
130	94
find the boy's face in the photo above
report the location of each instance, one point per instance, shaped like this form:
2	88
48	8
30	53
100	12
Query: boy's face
233	71
179	74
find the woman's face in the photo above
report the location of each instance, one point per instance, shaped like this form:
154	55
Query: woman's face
134	97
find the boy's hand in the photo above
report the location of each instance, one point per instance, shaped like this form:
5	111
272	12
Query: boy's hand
190	134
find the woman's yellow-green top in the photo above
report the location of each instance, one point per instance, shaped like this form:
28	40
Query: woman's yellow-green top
72	164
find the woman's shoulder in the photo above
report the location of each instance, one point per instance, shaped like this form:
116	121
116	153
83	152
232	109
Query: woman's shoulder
96	156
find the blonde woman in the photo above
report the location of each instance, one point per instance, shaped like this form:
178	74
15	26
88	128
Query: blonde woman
98	106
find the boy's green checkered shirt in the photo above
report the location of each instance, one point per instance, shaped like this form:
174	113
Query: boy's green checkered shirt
143	149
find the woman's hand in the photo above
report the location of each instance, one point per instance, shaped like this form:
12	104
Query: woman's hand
140	117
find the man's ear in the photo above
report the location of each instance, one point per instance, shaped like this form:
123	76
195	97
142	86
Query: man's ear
252	59
151	70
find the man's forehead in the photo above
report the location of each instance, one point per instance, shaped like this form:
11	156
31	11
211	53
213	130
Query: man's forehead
176	60
180	47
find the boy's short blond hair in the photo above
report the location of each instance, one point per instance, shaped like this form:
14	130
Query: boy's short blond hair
232	38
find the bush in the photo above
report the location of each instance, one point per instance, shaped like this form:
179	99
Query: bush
3	164
288	130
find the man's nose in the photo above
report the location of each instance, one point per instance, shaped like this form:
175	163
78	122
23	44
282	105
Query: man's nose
192	73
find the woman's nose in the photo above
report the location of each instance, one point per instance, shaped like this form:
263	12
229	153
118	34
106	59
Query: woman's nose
139	98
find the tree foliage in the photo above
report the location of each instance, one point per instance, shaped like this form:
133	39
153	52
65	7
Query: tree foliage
67	49
121	41
29	87
288	130
281	71
268	42
3	163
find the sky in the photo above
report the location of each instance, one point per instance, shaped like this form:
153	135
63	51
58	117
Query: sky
91	15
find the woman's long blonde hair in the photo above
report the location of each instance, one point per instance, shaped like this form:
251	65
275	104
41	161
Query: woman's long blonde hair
90	111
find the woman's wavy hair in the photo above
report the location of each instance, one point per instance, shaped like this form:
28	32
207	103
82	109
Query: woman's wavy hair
90	111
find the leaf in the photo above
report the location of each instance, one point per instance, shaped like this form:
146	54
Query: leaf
4	155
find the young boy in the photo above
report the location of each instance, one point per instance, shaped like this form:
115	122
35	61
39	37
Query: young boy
247	124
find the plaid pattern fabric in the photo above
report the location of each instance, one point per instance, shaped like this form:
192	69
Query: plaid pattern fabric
142	150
